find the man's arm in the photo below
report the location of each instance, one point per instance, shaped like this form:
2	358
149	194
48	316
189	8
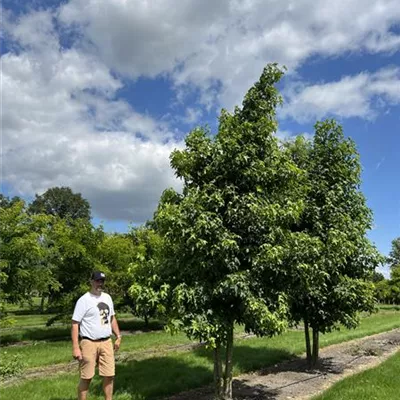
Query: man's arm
117	333
76	351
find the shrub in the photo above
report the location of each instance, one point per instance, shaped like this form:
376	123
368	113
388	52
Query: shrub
10	365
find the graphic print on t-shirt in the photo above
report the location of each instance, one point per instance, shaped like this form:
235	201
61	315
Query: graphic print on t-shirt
104	313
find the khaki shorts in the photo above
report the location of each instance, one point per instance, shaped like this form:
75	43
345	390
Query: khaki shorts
99	353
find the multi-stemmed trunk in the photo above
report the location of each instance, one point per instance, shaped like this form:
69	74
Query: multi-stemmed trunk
312	344
223	368
315	349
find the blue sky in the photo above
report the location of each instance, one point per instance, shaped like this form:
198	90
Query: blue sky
95	95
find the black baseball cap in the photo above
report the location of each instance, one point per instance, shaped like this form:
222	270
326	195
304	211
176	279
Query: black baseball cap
98	275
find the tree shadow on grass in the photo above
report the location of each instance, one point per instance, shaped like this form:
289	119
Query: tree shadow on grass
248	358
188	375
184	377
181	372
139	325
158	376
36	334
267	359
62	333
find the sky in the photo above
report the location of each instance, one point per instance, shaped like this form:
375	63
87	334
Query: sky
96	94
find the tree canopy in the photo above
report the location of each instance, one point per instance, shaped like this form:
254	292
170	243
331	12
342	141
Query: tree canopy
224	236
335	261
61	202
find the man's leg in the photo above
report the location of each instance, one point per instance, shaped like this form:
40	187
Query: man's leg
87	367
107	367
83	388
108	386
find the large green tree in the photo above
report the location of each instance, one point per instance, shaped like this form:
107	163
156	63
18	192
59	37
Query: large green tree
24	253
117	252
75	254
226	234
145	294
386	292
332	259
131	262
6	202
394	257
61	202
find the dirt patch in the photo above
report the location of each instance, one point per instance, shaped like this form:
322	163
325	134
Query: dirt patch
292	380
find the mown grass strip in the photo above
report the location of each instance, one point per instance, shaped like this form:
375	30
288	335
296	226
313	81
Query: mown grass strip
40	320
381	382
43	354
62	332
177	371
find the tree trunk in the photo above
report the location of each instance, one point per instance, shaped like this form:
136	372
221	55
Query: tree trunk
315	350
223	373
227	395
218	378
308	343
42	300
146	321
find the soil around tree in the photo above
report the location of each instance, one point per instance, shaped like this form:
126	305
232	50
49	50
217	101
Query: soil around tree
293	380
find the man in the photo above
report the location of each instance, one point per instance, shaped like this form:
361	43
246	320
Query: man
92	321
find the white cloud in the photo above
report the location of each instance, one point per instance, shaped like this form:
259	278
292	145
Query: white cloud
378	165
228	42
352	96
192	115
384	270
285	135
62	125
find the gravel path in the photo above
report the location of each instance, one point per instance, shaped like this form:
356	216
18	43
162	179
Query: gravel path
292	380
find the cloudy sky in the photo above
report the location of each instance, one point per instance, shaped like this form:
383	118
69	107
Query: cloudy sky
96	94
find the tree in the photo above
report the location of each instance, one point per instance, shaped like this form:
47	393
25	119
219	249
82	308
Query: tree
377	277
394	258
75	254
117	252
383	291
6	202
131	262
332	259
146	296
225	235
388	290
61	202
24	253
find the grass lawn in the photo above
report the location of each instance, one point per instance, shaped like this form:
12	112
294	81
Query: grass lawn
24	308
29	320
42	354
32	328
389	307
177	371
381	382
21	321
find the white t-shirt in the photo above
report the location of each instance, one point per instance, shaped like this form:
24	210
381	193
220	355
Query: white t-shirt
94	315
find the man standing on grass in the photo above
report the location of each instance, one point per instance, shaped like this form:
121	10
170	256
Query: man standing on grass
93	321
